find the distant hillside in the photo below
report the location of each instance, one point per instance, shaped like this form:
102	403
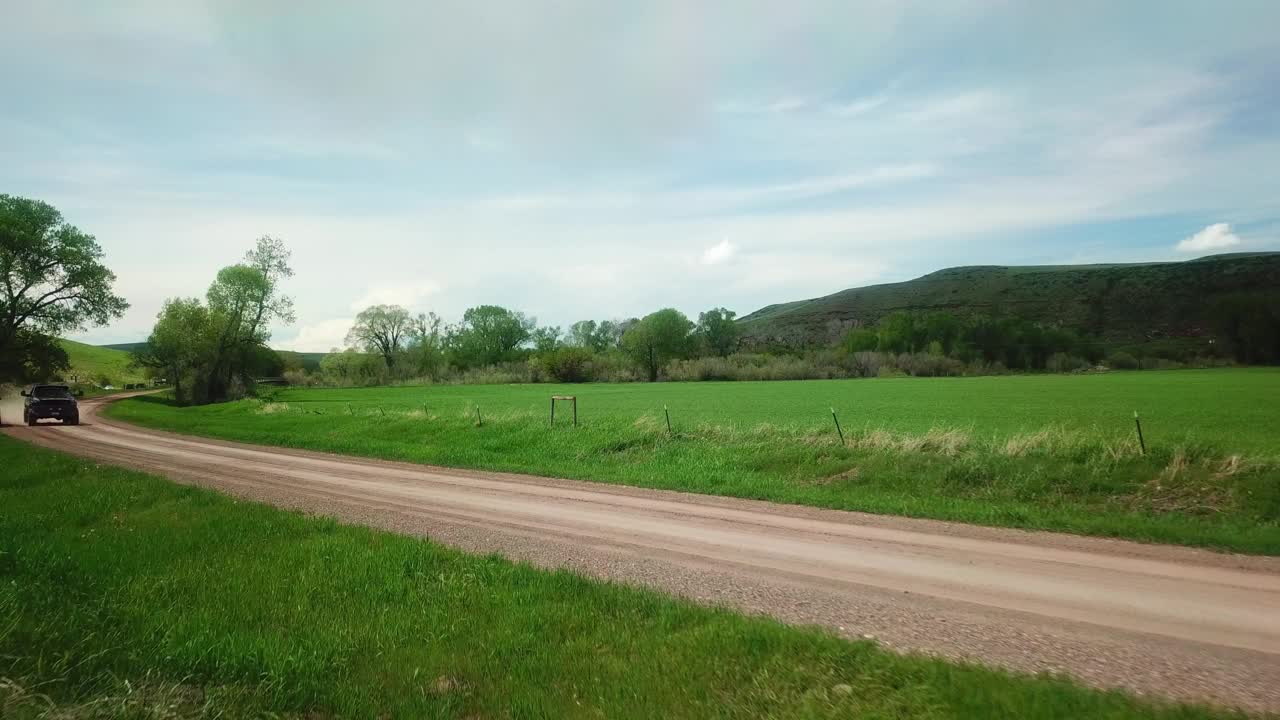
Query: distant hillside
1122	304
126	347
89	363
308	361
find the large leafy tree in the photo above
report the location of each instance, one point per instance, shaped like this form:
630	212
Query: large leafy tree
425	347
184	334
33	356
244	300
545	339
213	346
270	257
52	281
384	329
584	334
718	330
657	339
489	334
597	337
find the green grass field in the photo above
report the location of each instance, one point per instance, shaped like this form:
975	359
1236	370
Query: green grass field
124	595
1049	451
88	363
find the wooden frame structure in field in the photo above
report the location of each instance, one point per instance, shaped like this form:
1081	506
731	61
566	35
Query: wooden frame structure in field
566	398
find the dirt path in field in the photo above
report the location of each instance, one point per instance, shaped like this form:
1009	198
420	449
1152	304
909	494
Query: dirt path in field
1154	619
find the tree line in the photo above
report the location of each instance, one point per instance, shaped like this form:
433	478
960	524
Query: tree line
495	344
1013	342
390	342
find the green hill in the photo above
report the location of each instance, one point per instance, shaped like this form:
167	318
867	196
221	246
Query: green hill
127	347
1122	303
91	363
309	361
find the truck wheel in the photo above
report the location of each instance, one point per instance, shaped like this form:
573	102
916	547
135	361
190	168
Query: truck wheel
72	421
31	420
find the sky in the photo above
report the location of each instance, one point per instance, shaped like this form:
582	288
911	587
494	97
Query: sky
592	160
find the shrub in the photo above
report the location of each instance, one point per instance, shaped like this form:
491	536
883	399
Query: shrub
350	368
860	340
751	366
509	373
707	368
567	364
926	365
867	364
1062	362
1122	361
302	378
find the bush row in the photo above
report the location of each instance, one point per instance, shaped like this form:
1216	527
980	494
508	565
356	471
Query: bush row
573	365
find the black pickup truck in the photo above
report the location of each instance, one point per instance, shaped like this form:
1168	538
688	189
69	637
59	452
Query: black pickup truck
50	401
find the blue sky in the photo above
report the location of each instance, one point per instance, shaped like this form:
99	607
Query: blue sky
593	160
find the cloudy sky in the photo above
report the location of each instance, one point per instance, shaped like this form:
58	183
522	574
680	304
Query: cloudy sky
594	160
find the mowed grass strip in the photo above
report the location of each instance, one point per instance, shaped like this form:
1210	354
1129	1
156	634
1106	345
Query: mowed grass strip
123	595
1040	452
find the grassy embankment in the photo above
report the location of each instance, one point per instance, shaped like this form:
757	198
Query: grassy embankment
1049	451
123	595
89	363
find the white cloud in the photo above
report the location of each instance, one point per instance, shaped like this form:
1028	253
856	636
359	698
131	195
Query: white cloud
483	141
705	200
1141	142
1217	236
718	253
405	295
857	107
322	336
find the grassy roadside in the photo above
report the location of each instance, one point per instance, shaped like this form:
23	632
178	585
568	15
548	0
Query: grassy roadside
123	595
1218	489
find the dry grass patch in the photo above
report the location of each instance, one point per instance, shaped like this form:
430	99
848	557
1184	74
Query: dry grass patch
849	475
1189	488
148	699
271	408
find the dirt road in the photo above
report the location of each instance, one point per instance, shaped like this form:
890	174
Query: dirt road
1174	621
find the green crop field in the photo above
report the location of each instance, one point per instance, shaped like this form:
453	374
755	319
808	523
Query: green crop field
124	595
1048	451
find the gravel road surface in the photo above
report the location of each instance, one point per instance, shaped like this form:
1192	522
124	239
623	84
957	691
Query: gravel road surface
1173	621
